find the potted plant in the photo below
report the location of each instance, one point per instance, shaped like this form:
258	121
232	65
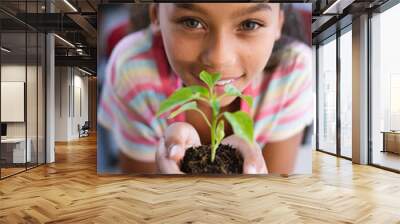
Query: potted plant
216	157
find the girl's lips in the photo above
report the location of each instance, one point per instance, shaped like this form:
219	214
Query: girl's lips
220	85
224	82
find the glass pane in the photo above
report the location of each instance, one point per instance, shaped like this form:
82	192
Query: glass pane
32	87
22	79
41	97
327	97
314	74
386	89
13	86
346	93
31	98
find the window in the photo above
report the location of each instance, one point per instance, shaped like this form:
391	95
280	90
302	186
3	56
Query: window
385	85
327	96
346	94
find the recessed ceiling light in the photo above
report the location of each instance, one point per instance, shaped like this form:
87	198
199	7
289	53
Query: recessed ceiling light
70	5
337	7
5	50
65	41
84	71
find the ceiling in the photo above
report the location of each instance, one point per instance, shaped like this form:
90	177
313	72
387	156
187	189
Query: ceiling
330	16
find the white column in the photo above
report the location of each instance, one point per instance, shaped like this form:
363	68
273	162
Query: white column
50	93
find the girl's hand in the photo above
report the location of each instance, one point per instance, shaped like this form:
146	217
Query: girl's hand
179	136
254	162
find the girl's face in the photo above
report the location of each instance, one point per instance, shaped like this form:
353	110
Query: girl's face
235	39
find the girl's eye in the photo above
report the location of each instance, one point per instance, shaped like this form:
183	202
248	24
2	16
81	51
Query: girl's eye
250	25
192	23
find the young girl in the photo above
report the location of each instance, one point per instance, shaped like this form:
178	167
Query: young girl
235	39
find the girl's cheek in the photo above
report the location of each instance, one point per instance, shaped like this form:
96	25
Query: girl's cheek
258	56
184	52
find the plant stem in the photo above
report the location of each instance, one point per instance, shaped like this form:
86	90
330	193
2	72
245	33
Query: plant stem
222	96
213	135
213	127
219	117
204	116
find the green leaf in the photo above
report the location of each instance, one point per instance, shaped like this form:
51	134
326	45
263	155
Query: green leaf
242	124
188	106
179	97
209	79
232	90
200	89
220	131
215	77
248	99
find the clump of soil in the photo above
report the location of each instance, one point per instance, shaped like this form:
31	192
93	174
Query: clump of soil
198	160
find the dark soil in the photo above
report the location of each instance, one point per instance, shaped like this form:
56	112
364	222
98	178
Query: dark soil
198	161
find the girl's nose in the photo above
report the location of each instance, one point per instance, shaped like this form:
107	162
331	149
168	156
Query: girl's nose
219	52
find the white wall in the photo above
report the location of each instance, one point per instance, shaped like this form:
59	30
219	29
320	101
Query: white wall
61	103
71	93
12	73
81	100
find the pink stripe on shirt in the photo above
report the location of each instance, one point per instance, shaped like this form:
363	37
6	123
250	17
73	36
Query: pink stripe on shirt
287	70
299	113
298	93
138	139
131	114
140	88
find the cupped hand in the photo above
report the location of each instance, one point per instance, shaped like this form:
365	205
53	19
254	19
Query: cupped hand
178	137
253	160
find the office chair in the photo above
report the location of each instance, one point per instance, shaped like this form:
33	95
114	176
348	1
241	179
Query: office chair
84	130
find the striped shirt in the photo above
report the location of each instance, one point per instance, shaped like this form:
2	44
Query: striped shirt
139	78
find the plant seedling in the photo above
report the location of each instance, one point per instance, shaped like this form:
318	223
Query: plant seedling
185	99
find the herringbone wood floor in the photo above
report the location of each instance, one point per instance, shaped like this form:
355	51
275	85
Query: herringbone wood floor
70	191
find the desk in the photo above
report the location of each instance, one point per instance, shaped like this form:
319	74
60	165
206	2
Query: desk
391	141
15	148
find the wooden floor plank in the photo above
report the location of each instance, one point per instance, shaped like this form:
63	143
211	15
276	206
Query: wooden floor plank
70	191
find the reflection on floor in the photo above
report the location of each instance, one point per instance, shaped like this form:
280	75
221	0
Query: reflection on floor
10	169
387	159
346	151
